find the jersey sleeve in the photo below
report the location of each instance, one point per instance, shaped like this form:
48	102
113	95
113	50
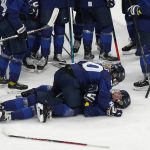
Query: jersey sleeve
13	14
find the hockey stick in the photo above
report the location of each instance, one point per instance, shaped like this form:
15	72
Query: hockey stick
115	39
49	24
142	52
55	141
71	30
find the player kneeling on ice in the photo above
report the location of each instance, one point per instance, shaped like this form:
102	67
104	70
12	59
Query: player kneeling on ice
81	88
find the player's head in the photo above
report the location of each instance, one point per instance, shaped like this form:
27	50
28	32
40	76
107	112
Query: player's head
118	73
121	98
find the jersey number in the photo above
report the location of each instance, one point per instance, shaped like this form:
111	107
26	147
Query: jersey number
89	66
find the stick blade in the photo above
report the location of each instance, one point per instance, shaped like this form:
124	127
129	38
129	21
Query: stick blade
53	17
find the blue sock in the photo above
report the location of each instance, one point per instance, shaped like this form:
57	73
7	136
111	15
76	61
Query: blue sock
24	113
14	104
3	65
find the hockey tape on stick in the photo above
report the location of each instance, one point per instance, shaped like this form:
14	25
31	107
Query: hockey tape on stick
49	24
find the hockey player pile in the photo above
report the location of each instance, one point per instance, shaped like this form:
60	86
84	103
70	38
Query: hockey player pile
84	87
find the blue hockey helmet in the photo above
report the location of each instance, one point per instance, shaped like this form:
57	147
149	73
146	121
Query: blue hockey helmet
125	100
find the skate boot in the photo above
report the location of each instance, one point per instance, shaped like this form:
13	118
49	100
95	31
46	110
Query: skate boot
16	85
88	54
3	81
29	64
129	49
141	85
76	46
99	46
36	56
43	112
107	56
42	63
4	116
58	58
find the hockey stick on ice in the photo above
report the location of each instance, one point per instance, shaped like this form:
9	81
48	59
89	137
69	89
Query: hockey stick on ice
142	51
55	141
49	24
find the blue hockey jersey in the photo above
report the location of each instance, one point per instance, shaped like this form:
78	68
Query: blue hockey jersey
17	9
47	4
89	72
92	3
144	20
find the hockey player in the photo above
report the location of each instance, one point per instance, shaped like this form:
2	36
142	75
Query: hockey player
33	41
141	11
72	93
46	8
12	51
98	12
77	27
130	26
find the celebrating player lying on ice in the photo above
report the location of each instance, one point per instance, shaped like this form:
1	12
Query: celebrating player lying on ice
80	88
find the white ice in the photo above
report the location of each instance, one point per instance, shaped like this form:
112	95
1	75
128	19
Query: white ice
129	132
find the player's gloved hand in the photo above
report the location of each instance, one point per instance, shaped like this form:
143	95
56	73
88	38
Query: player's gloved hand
113	111
89	98
22	32
34	9
110	3
90	95
134	10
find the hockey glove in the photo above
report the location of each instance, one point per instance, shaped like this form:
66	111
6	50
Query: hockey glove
22	32
113	111
34	9
134	10
110	3
90	95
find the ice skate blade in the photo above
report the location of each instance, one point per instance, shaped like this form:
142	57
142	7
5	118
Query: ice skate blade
29	70
130	52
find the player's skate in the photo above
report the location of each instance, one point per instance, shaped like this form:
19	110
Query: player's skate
58	61
3	81
3	115
59	58
141	85
107	56
129	49
29	64
43	112
76	46
16	85
42	63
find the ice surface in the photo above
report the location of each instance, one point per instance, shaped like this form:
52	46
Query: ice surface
129	132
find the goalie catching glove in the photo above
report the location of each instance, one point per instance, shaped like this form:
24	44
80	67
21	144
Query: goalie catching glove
90	95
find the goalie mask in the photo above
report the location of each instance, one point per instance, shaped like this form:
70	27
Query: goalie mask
118	73
121	98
